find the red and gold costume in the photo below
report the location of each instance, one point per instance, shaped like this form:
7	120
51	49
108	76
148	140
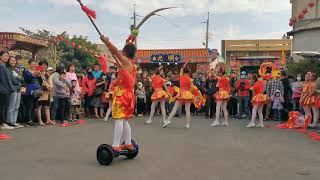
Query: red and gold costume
224	89
124	99
306	98
199	101
259	98
157	85
173	91
185	94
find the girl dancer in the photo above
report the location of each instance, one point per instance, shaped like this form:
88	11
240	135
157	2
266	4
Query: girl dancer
185	96
159	95
258	101
308	98
222	97
123	101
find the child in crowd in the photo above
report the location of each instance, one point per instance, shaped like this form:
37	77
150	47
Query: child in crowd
277	100
64	92
75	100
141	99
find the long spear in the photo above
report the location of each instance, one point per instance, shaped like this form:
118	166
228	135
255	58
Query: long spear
92	15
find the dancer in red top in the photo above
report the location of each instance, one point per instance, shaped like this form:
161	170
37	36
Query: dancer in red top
159	96
258	101
185	96
123	100
222	97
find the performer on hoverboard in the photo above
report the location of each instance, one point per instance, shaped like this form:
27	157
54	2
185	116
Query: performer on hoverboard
124	99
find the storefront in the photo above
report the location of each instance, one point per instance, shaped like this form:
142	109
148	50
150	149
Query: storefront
17	41
173	59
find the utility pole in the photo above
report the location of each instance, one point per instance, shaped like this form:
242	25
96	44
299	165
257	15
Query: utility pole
134	26
207	33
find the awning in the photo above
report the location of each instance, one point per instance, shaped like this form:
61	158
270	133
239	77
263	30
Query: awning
16	41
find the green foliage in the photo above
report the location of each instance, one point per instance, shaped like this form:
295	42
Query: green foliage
60	53
78	57
303	66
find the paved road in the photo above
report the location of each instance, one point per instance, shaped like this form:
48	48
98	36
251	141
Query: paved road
57	153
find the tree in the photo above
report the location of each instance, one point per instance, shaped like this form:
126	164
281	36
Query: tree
303	66
61	53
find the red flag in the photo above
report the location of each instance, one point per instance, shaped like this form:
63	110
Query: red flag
89	12
103	63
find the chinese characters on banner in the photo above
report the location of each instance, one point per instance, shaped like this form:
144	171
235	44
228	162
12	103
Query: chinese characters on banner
166	58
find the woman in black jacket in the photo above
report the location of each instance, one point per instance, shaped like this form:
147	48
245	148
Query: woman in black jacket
6	87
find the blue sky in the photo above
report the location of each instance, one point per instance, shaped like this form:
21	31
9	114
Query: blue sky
179	28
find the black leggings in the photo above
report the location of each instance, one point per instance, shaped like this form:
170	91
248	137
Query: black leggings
140	106
4	102
31	104
63	109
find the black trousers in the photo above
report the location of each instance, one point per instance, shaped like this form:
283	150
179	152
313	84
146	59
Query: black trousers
210	106
4	103
63	109
87	104
140	106
31	104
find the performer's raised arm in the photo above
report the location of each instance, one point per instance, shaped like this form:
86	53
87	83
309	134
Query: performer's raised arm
123	58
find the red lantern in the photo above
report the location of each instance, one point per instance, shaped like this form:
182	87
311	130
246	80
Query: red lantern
312	4
294	19
305	11
301	16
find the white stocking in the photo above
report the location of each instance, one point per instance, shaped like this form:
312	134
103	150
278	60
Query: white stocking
118	129
108	111
174	110
153	109
225	111
127	132
260	109
188	114
163	110
218	110
254	113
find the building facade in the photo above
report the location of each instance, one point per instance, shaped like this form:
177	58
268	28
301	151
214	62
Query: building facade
248	55
305	32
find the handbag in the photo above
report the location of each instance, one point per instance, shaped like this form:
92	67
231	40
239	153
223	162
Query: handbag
37	93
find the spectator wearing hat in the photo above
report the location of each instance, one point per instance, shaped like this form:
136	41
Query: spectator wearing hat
272	86
243	94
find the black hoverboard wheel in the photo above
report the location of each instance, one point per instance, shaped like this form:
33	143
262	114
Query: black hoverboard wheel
134	153
105	154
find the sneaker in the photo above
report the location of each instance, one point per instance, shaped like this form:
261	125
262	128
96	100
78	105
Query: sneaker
6	127
148	122
117	149
166	124
106	119
129	147
17	125
215	124
140	115
260	125
30	123
225	123
187	126
250	125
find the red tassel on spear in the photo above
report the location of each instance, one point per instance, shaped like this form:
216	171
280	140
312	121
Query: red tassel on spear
91	14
